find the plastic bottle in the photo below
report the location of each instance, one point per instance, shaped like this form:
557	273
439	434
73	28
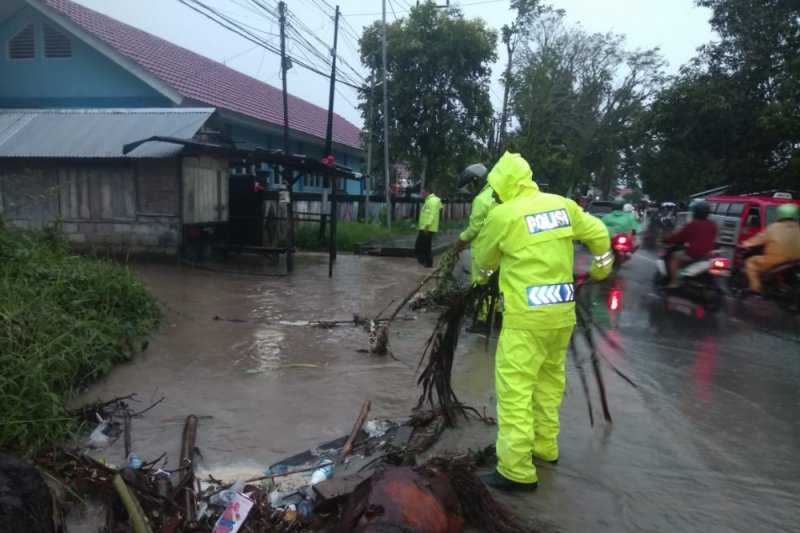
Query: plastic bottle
134	461
324	472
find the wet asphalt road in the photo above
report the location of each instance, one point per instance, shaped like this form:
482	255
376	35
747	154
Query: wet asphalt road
708	441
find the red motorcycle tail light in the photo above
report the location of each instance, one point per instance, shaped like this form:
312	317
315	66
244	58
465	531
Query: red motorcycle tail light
614	299
720	263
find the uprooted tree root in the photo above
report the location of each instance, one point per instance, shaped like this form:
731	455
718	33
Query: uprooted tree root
480	509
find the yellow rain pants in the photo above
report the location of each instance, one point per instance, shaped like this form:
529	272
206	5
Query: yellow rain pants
529	379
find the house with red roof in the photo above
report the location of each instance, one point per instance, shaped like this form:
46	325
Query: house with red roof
60	54
77	87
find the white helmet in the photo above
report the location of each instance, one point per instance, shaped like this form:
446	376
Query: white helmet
628	208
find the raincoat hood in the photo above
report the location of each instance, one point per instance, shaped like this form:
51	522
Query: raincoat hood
511	176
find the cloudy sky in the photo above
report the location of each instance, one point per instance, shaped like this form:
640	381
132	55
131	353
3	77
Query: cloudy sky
677	27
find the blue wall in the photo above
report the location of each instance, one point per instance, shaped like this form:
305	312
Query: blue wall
256	138
87	79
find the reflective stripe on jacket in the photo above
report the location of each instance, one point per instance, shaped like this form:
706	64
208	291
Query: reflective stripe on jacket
530	238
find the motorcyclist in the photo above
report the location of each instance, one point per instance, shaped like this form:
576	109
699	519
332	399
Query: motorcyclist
697	237
529	235
628	208
620	221
781	242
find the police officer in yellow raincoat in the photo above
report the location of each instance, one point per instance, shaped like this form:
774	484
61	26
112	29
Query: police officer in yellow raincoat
529	236
474	176
428	226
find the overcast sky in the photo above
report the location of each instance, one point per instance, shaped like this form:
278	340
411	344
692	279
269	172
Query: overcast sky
677	27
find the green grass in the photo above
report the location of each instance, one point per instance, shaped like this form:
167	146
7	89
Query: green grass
65	321
349	234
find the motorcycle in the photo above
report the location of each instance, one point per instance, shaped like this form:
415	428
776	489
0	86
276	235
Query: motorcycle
700	281
781	283
622	247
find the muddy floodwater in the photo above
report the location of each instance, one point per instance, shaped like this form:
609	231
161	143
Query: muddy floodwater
709	441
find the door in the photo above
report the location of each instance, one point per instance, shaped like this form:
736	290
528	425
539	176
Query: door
245	211
752	222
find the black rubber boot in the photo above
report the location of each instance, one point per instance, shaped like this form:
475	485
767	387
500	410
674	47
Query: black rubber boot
498	481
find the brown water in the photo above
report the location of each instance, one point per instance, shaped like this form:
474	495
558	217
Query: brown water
707	443
237	371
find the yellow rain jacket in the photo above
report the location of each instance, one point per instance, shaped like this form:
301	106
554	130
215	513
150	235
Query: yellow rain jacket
529	236
481	205
429	216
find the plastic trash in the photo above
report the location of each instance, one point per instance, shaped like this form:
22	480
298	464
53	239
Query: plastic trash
234	515
99	437
276	470
134	461
276	498
322	473
225	497
291	514
305	509
377	428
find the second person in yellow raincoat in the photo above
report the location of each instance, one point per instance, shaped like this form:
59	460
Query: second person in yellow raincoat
428	226
529	235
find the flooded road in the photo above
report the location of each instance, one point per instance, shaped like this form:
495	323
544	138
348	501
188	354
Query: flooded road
708	442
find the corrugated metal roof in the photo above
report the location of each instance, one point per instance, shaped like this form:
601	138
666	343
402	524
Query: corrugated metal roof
200	79
95	133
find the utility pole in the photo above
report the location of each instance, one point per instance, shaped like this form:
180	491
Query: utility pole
329	146
287	174
370	117
386	128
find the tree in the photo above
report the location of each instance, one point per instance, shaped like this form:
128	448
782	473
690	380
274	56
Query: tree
438	83
577	97
512	35
732	116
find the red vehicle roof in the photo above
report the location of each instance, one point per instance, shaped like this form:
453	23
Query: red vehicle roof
203	80
768	200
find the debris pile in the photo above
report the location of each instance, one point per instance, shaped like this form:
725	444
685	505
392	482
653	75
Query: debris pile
336	484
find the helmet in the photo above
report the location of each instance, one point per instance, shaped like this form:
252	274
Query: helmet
700	209
628	208
471	174
619	204
788	212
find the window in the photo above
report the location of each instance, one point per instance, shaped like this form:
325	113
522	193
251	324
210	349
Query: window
56	43
736	209
772	214
722	208
23	44
753	218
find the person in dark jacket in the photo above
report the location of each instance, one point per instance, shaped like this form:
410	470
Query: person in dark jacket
697	237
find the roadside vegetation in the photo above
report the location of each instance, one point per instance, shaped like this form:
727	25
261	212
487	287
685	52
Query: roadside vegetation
65	321
350	234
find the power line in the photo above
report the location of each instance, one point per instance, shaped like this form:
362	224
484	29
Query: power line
345	33
235	27
374	14
391	6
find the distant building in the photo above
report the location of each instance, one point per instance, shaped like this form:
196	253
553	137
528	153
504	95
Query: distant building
59	55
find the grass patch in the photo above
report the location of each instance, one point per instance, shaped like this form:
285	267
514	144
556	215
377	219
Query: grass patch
350	234
65	321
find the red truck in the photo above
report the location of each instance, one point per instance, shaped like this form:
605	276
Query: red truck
739	217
